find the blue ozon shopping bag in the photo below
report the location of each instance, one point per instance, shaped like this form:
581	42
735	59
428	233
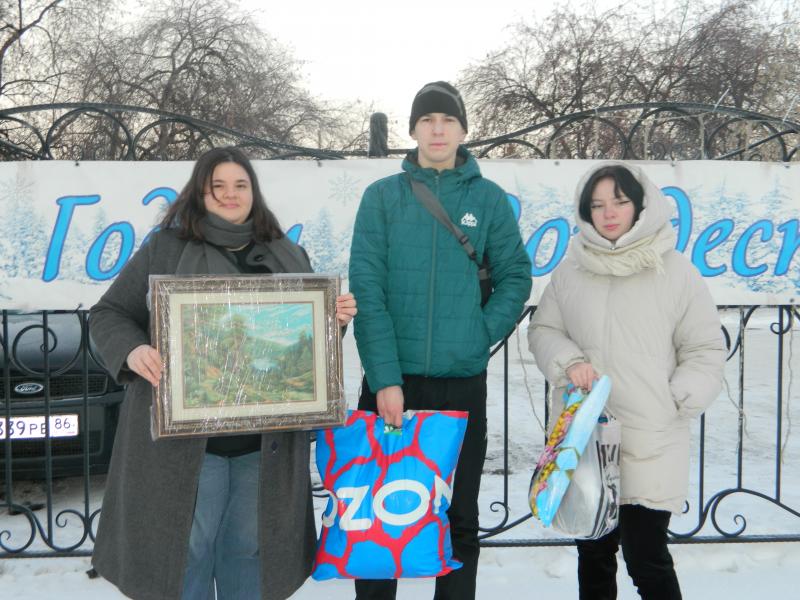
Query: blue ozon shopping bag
389	490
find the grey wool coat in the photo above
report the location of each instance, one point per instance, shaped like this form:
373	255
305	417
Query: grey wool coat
143	532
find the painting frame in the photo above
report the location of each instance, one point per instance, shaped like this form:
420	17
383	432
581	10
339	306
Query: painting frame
244	354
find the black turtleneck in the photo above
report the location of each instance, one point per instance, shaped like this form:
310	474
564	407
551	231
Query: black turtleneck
237	445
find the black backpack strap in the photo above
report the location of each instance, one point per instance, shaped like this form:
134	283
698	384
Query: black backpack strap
429	200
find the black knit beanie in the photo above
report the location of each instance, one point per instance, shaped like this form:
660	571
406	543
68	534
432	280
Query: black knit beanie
437	97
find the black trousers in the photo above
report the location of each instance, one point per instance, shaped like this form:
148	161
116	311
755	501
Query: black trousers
446	393
643	535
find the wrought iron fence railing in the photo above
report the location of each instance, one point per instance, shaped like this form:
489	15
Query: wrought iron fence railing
741	490
51	479
51	483
638	131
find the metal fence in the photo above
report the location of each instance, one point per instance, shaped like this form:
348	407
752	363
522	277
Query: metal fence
644	131
52	486
740	490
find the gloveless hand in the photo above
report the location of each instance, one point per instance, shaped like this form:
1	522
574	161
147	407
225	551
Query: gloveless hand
145	361
390	405
582	375
345	309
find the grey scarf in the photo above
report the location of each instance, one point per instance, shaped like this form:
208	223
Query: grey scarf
213	258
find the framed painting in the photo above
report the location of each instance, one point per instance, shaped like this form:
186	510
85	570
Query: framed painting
246	353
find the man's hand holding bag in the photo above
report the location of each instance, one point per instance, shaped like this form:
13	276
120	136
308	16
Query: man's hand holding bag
389	490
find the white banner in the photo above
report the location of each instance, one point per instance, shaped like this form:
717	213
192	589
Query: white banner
68	228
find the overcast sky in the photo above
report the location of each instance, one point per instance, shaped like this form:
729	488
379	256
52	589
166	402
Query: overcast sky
383	52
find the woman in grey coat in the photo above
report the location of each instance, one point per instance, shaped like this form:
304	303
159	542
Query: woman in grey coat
182	517
625	303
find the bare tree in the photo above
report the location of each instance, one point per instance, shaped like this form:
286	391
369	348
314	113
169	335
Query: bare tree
21	31
204	59
736	52
38	41
731	52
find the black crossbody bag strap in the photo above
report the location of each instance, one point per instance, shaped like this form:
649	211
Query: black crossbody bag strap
429	200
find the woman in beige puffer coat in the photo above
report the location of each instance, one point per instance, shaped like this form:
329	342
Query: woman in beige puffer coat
625	303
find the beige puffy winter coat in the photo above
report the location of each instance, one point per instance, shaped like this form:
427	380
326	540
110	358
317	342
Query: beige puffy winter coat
639	312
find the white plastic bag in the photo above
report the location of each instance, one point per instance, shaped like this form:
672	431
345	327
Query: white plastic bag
590	508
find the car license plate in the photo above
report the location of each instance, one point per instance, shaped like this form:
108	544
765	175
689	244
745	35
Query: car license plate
31	427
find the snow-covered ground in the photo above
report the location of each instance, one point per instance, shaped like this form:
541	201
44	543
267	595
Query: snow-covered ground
735	571
707	572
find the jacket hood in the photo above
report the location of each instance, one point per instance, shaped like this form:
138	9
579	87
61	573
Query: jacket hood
656	211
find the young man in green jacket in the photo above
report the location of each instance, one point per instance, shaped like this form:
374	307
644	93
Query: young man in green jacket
422	334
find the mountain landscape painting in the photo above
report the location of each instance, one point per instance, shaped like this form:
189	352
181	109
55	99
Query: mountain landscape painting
247	354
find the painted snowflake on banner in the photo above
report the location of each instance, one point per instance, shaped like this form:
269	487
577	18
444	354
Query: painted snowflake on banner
15	188
344	189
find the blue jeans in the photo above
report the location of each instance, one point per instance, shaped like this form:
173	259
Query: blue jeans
223	545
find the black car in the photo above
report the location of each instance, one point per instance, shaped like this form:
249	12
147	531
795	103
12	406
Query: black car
57	375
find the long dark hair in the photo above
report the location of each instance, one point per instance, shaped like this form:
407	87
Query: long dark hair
189	208
624	182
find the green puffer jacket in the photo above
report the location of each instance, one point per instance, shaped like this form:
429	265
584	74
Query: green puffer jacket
419	309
